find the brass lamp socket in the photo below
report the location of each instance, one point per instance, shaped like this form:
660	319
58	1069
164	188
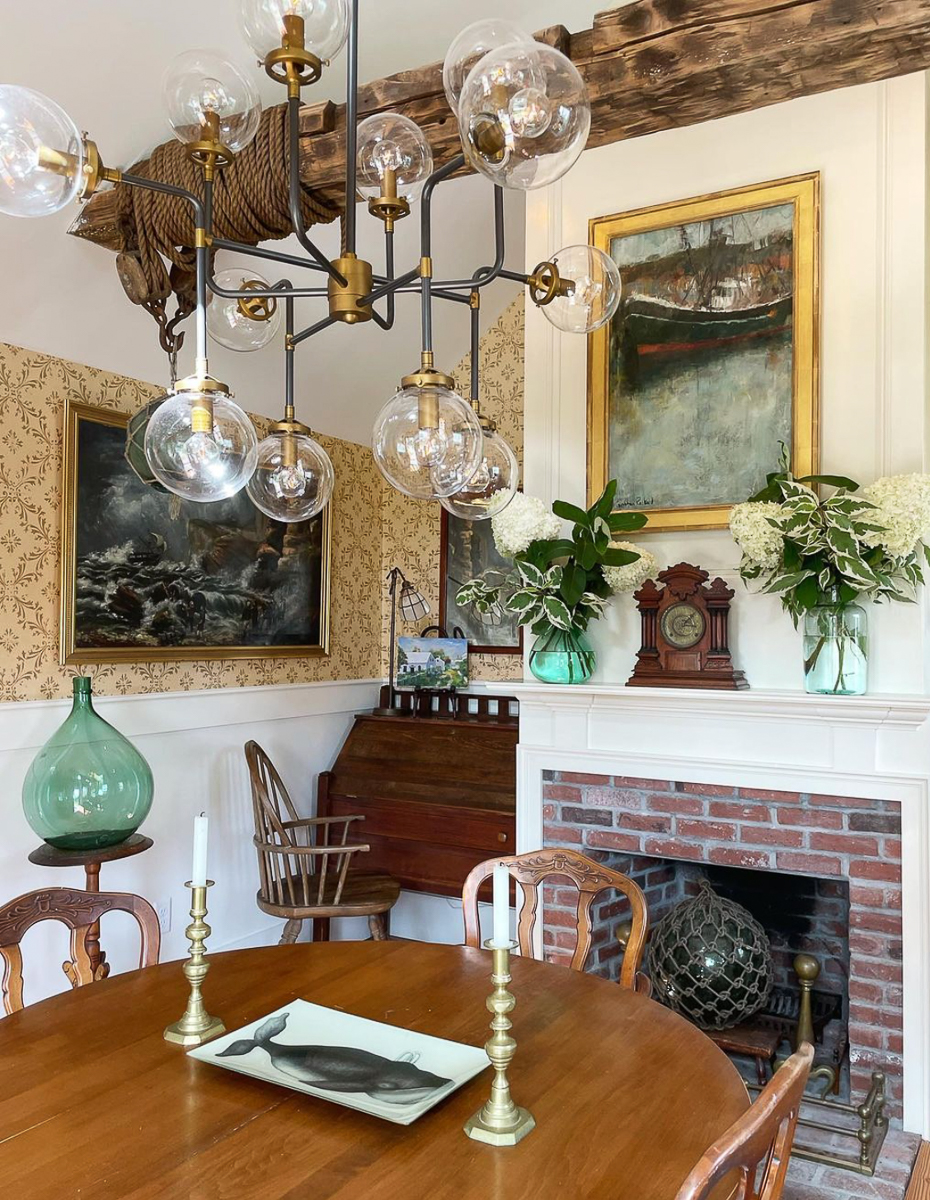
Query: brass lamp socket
257	308
546	283
487	138
201	383
428	377
292	63
208	151
344	300
202	415
388	209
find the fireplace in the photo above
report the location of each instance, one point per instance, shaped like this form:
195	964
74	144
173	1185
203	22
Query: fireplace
821	873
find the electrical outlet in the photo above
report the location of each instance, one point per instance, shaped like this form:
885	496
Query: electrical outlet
163	909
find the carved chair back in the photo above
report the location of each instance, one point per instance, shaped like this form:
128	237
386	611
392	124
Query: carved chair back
80	911
589	877
758	1145
302	862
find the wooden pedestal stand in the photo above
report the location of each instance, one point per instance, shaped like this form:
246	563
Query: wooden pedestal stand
48	856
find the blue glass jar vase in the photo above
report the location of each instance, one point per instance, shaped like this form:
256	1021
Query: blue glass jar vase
88	787
836	650
562	656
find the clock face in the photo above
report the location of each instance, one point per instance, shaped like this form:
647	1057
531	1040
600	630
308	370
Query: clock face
682	625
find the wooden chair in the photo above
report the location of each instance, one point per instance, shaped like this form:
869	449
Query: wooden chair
762	1138
590	878
305	865
80	911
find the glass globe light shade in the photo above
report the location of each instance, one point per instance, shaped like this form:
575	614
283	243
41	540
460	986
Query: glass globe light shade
594	294
388	141
293	478
232	327
427	442
524	115
492	486
474	42
326	24
35	131
201	82
201	457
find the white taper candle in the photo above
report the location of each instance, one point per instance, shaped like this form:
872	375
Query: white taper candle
501	935
199	869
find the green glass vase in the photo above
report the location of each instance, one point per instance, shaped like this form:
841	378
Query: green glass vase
562	656
88	787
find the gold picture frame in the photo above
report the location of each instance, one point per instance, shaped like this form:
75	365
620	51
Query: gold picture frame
77	417
803	193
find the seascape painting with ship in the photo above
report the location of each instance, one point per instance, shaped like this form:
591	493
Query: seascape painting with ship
701	366
154	572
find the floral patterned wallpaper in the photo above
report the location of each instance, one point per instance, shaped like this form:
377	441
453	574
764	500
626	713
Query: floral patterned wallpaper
410	528
33	391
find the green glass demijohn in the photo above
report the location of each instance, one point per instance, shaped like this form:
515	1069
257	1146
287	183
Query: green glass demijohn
88	787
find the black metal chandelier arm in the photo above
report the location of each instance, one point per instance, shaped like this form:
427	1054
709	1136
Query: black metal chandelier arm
170	189
311	329
475	349
484	275
277	256
294	186
387	321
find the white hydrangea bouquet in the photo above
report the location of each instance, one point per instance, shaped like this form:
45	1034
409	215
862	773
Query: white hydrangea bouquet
816	552
557	582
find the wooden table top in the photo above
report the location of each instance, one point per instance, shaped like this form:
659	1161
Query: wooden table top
94	1103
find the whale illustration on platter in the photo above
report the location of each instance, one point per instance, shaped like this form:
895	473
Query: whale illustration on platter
341	1068
389	1072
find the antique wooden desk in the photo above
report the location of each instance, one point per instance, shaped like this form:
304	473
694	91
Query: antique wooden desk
94	1102
438	792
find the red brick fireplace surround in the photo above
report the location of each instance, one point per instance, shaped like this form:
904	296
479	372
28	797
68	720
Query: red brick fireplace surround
642	825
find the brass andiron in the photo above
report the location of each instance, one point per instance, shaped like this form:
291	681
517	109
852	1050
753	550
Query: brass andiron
500	1122
196	1026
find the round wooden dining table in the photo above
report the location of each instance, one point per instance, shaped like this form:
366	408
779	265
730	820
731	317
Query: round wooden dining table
94	1103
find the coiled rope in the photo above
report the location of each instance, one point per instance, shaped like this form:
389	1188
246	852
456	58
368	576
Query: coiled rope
250	205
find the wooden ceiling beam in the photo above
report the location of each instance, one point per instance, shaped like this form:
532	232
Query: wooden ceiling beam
650	66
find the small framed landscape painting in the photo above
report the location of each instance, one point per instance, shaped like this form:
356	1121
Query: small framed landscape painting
466	551
432	662
379	1069
712	357
148	576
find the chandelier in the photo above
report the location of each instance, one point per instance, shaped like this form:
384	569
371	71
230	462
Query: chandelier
523	119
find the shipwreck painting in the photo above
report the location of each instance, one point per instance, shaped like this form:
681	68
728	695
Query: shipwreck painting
711	359
147	575
382	1070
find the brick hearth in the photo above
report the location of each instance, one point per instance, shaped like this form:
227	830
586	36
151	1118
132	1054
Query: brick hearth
630	823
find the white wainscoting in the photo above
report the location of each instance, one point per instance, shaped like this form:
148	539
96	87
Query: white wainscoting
876	747
193	742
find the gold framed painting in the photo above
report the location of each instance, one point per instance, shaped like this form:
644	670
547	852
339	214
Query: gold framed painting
146	576
712	358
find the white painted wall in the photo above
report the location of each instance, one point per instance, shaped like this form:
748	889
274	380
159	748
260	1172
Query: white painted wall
869	143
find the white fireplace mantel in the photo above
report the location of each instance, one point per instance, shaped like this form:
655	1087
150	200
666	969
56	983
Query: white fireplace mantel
874	747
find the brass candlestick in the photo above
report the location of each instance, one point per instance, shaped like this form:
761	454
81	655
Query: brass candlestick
500	1122
196	1026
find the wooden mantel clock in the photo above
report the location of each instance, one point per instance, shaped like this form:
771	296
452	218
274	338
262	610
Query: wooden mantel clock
684	632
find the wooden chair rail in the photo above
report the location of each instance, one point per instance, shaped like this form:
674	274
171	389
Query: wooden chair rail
762	1137
590	878
79	911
